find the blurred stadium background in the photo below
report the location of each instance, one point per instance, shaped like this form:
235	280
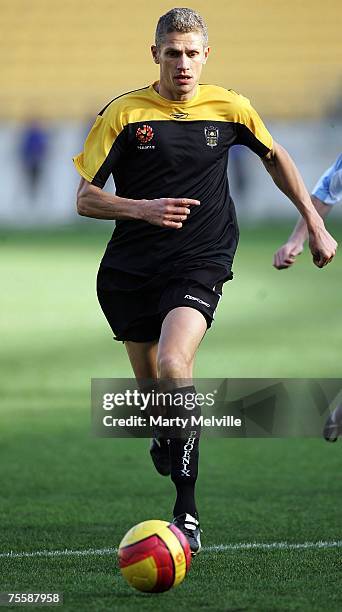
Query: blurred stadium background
60	64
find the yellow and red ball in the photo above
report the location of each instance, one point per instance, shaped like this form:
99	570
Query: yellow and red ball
154	556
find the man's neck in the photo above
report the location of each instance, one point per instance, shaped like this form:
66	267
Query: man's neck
166	94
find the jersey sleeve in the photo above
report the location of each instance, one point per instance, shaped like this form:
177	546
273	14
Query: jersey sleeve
250	129
328	189
103	148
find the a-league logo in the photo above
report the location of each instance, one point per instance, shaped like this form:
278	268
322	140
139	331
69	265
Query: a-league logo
144	134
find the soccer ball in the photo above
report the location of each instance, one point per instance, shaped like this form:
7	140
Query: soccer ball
154	556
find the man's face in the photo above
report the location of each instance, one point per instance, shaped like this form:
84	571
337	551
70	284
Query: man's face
181	58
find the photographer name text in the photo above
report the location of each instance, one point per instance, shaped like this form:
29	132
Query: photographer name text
183	423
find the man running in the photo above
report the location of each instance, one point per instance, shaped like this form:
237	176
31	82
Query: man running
176	234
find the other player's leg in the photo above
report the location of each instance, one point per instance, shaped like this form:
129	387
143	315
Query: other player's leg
333	426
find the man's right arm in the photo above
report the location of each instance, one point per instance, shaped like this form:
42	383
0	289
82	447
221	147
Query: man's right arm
286	255
165	212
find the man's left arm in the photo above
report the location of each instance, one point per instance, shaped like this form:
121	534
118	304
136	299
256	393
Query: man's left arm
286	176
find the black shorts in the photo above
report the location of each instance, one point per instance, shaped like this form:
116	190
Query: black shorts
136	306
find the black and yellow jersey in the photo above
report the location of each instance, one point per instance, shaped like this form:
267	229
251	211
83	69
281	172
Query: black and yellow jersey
155	147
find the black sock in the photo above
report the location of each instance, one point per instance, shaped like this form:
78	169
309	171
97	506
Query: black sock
184	454
184	476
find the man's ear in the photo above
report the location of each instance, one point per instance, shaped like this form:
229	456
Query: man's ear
206	53
155	53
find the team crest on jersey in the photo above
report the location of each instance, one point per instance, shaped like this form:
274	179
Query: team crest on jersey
144	134
211	135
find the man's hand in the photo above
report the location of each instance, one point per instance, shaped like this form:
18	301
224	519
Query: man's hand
322	246
166	212
286	255
286	176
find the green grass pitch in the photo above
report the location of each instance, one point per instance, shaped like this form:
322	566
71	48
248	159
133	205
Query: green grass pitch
62	489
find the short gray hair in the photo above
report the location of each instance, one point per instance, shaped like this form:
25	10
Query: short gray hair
181	20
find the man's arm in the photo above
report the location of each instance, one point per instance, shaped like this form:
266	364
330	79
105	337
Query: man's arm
165	212
286	255
287	177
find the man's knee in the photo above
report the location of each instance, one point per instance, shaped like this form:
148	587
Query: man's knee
173	365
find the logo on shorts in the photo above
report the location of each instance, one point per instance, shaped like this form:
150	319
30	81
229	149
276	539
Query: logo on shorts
144	134
211	135
196	299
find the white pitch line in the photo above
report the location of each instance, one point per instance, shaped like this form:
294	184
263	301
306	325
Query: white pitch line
59	553
273	546
215	548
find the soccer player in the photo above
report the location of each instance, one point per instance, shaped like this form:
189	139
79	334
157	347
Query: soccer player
326	193
176	233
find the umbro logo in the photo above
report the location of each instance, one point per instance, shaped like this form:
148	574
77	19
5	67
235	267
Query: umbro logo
179	115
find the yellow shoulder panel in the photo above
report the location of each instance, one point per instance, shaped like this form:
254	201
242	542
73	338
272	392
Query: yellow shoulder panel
241	111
